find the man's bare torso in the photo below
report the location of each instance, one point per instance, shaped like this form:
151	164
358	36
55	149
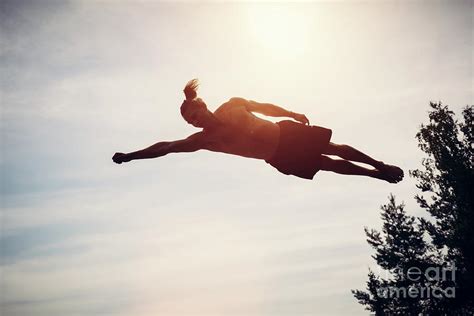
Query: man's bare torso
242	133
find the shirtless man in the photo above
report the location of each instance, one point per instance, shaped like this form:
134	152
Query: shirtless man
293	148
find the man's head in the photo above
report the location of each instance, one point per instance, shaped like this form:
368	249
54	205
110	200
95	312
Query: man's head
193	109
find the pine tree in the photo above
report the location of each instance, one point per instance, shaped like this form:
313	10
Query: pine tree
423	255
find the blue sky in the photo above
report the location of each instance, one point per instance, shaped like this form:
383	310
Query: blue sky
206	233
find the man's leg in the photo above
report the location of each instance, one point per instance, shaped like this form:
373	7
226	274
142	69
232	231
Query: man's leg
350	153
342	166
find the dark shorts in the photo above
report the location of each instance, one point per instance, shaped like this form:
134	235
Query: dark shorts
300	148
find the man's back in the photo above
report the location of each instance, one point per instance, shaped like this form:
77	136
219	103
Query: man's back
241	132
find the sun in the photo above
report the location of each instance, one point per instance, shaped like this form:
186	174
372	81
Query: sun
282	29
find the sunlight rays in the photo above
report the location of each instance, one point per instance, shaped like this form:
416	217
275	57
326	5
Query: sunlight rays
281	29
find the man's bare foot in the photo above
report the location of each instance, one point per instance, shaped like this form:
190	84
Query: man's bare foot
120	157
392	174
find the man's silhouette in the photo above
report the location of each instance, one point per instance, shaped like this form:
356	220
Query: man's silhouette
294	148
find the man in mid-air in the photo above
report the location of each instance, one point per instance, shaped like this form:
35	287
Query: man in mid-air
294	148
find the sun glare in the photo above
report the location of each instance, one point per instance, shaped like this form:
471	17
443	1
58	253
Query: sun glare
282	29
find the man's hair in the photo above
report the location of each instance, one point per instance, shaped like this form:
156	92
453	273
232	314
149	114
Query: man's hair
190	91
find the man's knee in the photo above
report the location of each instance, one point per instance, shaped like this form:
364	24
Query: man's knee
326	163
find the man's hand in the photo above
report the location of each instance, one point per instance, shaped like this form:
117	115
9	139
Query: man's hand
120	157
300	118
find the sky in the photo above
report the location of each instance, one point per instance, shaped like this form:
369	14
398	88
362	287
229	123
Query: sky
206	233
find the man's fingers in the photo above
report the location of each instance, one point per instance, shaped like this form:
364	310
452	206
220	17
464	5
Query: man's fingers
304	119
301	118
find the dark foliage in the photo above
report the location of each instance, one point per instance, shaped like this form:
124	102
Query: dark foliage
423	255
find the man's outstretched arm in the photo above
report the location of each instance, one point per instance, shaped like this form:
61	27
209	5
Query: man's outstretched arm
269	109
192	143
